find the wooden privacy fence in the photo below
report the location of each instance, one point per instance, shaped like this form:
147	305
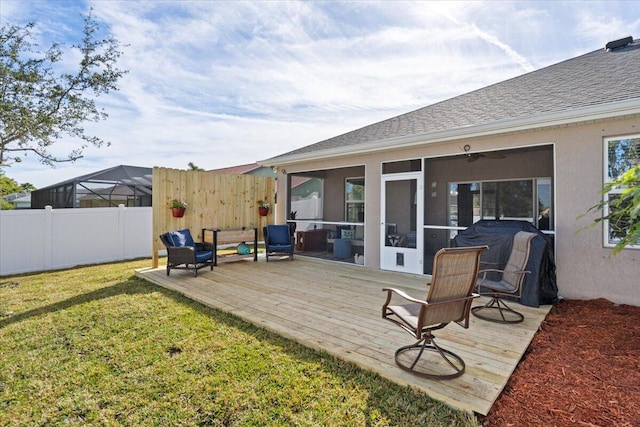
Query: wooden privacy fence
214	200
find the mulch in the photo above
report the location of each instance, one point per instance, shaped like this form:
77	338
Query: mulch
581	369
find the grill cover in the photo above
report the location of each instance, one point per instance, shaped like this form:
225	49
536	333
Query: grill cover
540	285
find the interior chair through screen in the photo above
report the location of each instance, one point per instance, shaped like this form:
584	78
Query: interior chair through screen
455	271
185	254
278	241
507	284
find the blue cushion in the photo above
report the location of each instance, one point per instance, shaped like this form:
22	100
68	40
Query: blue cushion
203	256
182	238
278	235
280	248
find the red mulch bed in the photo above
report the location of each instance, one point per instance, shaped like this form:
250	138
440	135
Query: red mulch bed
581	369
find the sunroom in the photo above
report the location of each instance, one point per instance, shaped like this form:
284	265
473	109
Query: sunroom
421	203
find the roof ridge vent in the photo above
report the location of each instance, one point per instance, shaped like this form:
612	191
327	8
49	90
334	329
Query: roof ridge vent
616	44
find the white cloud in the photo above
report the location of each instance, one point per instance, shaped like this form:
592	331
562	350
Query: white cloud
225	83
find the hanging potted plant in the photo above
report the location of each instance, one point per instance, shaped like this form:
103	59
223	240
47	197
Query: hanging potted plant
177	208
263	208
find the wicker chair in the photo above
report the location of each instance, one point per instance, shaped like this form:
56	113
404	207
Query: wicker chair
455	271
184	253
278	241
508	283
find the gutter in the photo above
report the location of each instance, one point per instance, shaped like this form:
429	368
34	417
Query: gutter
566	117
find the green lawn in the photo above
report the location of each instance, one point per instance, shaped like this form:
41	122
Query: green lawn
97	346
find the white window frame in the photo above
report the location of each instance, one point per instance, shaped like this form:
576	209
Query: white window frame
608	241
348	202
535	181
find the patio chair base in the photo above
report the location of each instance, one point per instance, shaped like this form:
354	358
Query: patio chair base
454	361
497	311
190	267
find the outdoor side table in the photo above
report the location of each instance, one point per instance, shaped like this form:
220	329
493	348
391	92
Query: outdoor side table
342	248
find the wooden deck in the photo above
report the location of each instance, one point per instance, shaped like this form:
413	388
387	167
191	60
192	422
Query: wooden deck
336	307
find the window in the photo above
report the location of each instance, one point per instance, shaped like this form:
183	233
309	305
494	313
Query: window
471	202
354	199
621	154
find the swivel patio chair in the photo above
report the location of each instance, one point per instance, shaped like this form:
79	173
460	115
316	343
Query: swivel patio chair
507	284
455	271
278	241
184	253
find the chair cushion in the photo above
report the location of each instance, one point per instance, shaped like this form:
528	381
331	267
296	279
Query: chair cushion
278	235
203	256
181	238
280	248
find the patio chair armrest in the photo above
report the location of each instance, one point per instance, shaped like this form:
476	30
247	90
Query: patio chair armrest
204	246
391	291
181	255
490	270
180	250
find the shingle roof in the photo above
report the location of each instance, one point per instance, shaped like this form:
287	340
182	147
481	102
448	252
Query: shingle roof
239	169
596	78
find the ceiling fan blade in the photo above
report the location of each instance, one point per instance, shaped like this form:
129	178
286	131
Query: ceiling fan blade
494	155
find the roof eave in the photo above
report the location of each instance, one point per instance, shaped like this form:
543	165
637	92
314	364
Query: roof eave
553	119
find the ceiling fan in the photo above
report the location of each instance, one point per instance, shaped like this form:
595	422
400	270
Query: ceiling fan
472	157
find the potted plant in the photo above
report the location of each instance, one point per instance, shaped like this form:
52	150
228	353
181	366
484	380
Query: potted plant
263	208
177	208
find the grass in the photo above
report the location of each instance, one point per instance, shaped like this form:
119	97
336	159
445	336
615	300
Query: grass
97	346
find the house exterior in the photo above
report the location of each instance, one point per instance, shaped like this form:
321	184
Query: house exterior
246	169
19	200
537	147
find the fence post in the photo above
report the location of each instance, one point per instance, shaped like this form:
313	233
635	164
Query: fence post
48	237
121	230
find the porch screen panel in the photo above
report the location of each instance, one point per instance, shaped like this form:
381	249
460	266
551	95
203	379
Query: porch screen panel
515	200
400	213
490	208
464	202
471	202
307	200
545	215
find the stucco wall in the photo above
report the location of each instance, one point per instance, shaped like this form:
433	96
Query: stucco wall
585	268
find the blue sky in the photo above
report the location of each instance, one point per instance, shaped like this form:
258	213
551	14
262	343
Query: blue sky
222	83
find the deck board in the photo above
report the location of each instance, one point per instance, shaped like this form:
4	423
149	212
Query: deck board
336	308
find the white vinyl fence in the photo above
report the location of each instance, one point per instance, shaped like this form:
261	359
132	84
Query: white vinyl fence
49	239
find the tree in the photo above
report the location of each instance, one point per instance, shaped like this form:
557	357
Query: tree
28	187
5	205
623	210
7	186
38	105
